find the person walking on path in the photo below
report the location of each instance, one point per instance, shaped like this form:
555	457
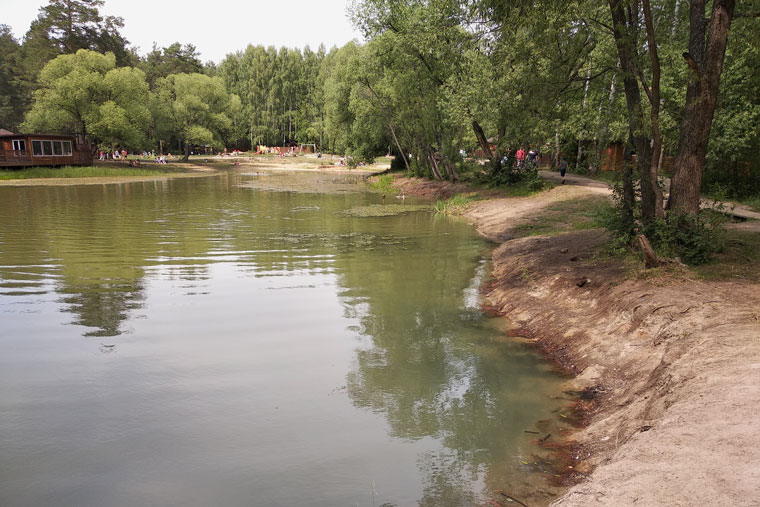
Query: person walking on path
563	168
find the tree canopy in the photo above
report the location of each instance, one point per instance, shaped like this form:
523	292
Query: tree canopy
195	107
85	93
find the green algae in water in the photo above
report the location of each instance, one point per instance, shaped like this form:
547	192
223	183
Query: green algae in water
383	210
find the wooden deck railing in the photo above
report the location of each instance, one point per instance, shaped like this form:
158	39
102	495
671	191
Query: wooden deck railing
15	156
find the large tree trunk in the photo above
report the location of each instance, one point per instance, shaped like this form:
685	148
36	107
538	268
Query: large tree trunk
398	146
625	32
430	155
705	57
629	194
581	133
482	140
187	153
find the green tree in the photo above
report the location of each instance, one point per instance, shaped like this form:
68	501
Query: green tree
85	93
196	108
174	59
13	86
66	26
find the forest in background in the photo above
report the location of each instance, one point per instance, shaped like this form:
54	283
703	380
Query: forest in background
434	81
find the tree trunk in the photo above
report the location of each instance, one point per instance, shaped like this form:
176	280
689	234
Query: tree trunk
398	146
482	141
433	163
451	169
579	155
626	41
650	257
629	194
654	111
706	60
187	153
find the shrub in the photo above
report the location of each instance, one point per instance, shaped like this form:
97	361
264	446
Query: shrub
692	238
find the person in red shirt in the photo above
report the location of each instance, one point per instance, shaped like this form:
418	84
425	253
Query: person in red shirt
520	155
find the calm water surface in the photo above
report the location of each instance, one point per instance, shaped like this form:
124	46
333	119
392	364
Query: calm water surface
206	342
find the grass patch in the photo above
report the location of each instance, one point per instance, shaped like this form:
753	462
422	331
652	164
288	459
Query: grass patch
456	205
382	183
739	259
77	172
564	216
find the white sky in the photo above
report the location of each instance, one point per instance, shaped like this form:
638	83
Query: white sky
216	28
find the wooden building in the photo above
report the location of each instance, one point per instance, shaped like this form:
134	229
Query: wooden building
24	150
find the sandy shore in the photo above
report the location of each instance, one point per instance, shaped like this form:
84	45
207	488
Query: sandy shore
670	365
306	164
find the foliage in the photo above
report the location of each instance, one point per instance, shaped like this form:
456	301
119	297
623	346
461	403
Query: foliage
13	96
382	183
85	93
66	26
693	239
195	107
503	173
174	59
280	92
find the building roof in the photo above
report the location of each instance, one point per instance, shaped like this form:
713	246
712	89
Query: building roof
4	132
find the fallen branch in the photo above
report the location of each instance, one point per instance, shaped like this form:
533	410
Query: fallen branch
513	499
650	257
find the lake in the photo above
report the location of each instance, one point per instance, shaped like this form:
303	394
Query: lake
234	340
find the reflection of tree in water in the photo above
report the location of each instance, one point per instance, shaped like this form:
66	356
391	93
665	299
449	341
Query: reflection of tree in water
434	370
104	306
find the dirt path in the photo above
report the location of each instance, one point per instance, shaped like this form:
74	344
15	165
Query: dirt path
497	218
671	364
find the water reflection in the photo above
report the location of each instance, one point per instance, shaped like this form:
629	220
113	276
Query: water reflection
261	343
435	368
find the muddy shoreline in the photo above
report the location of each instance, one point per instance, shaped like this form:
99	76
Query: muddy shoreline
668	368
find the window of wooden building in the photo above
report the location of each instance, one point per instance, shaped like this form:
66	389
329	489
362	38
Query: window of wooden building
50	148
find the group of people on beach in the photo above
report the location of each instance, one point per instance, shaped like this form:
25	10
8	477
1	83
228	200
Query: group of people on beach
115	155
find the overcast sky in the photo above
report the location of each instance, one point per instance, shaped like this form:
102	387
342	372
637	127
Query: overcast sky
217	27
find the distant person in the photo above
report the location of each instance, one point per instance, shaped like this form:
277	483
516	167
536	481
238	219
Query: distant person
520	156
562	168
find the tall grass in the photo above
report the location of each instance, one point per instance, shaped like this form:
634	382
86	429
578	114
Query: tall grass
383	183
456	205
